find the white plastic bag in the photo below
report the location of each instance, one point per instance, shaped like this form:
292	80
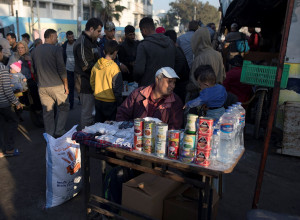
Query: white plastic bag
63	166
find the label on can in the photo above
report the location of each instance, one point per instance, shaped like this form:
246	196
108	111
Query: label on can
173	151
174	135
186	159
160	148
206	126
203	142
189	141
191	124
202	155
148	145
204	163
187	153
138	143
161	132
226	127
138	126
149	129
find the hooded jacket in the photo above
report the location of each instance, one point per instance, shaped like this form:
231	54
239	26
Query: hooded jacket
106	81
154	52
205	55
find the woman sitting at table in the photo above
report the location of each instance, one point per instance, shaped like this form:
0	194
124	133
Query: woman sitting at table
157	101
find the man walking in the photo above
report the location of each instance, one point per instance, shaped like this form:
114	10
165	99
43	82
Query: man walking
53	84
86	55
154	52
70	64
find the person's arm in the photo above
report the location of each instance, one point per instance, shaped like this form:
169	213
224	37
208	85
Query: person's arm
61	69
117	86
195	102
8	92
92	79
140	63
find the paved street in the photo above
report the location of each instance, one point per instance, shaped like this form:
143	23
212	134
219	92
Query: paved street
22	181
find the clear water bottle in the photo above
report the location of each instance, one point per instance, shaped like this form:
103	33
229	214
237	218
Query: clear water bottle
242	121
215	143
226	147
236	115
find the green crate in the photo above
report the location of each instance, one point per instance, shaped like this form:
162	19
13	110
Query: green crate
263	75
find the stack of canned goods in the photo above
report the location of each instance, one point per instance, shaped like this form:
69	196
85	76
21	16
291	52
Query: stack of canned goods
161	139
187	149
149	137
138	134
174	143
203	149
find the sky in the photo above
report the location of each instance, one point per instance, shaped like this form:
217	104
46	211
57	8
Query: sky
164	4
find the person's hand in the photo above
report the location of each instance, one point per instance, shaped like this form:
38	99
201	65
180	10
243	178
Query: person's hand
24	80
19	106
124	68
66	90
184	107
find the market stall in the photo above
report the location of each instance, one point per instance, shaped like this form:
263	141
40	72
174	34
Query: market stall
148	146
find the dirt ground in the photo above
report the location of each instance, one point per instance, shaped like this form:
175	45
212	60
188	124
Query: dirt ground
23	181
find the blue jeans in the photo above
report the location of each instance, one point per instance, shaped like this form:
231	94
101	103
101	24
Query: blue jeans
71	84
215	113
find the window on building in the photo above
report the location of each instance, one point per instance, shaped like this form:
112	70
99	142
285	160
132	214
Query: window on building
41	4
61	7
129	5
5	2
86	13
135	20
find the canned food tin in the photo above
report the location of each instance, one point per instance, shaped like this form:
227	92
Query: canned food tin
202	155
148	145
191	124
174	135
161	132
204	163
189	142
138	126
149	129
160	148
187	153
186	159
138	143
205	126
203	142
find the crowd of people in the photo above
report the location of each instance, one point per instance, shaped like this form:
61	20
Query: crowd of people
175	76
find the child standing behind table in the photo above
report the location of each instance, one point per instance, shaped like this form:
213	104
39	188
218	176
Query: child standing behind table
212	95
107	84
18	80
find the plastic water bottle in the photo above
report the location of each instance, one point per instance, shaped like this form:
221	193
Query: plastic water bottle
215	144
226	147
242	121
236	115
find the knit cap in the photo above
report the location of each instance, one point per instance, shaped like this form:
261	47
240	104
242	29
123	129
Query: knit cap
17	66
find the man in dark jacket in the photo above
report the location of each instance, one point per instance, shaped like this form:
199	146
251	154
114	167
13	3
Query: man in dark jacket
86	55
181	67
70	64
127	52
154	52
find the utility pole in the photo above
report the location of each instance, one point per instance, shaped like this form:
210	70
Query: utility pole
91	9
79	17
38	15
32	19
195	11
18	28
12	7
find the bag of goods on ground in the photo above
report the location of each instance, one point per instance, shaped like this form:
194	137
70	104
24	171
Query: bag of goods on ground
63	165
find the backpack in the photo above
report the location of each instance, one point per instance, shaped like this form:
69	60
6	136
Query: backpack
242	45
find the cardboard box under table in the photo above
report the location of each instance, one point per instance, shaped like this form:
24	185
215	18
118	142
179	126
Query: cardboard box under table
197	176
146	194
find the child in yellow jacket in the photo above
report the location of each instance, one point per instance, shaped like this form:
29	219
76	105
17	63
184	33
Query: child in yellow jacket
107	84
